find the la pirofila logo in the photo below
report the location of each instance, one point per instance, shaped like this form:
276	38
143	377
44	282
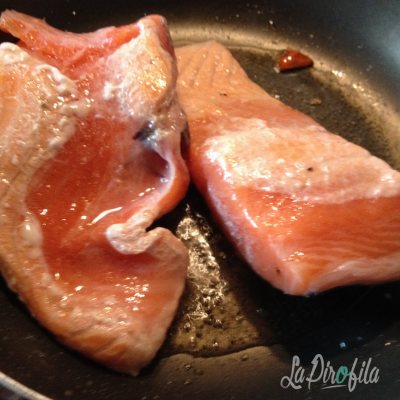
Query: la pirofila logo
325	374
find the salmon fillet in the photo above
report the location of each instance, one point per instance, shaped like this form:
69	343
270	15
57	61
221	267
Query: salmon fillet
307	209
90	155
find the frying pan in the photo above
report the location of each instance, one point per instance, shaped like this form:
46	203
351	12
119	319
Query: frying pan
244	341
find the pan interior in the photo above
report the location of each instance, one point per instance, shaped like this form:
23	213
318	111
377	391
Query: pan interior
226	308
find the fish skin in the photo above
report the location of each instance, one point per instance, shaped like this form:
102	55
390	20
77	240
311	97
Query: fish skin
306	209
104	285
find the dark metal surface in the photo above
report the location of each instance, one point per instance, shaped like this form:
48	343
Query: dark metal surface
357	37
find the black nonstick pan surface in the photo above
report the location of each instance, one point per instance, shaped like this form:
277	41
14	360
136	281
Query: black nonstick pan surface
234	336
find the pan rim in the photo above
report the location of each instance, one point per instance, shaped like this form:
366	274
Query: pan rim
19	389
